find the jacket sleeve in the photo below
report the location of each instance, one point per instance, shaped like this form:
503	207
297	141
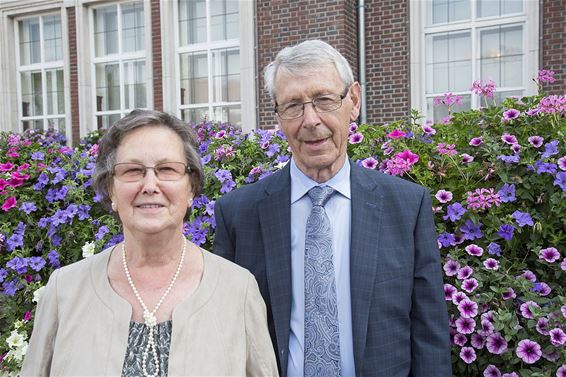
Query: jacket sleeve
429	315
260	359
39	355
223	245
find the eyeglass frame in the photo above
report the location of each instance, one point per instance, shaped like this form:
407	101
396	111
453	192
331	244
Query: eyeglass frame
312	101
187	170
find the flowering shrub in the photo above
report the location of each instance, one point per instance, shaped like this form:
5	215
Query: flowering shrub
497	178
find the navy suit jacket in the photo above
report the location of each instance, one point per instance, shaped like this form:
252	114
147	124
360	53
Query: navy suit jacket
399	316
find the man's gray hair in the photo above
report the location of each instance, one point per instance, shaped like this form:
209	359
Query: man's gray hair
109	143
304	57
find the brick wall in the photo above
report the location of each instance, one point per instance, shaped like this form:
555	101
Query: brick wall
553	49
387	60
281	23
156	55
74	75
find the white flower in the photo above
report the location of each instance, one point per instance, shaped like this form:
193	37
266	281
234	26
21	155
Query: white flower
37	294
18	353
88	249
15	340
281	165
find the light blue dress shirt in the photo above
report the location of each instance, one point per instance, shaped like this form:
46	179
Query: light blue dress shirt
338	209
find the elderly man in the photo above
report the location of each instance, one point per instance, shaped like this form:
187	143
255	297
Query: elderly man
346	258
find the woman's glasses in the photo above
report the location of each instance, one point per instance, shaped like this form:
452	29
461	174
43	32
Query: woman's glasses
165	171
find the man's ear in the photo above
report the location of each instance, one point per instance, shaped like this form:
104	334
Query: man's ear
356	98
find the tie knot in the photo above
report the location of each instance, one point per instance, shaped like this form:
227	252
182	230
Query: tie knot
320	194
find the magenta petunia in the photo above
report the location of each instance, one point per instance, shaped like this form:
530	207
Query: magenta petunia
526	310
557	337
536	141
352	128
396	134
458	297
369	163
468	308
469	285
356	138
478	341
487	316
487	328
496	344
542	326
460	339
468	354
528	351
451	267
9	203
491	371
510	115
428	130
465	272
529	275
466	158
465	325
449	291
474	250
561	372
509	139
443	196
476	141
491	264
550	254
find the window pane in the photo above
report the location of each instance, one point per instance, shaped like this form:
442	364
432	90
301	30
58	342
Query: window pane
502	55
52	38
441	111
226	75
107	87
494	8
32	100
512	40
194	78
106	30
55	94
228	114
195	116
30	51
36	124
56	124
132	27
512	71
134	84
512	6
105	121
192	21
449	66
444	11
224	19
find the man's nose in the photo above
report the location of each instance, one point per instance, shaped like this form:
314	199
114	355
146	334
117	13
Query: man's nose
310	115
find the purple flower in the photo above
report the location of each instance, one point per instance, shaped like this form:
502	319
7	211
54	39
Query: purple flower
507	193
369	163
563	265
454	212
510	115
525	309
228	186
562	163
545	75
449	292
561	372
472	231
3	274
528	351
508	294
560	180
53	259
550	149
465	325
353	127
474	250
506	231
491	264
102	231
512	374
496	344
451	267
557	337
36	263
486	327
18	264
550	254
466	158
465	272
522	218
9	288
460	339
446	239
536	141
468	355
458	297
542	288
443	196
542	326
469	285
428	130
545	167
478	341
356	138
476	141
494	249
468	308
491	371
509	159
28	207
38	156
509	139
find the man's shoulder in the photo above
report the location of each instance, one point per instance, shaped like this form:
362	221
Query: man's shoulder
386	182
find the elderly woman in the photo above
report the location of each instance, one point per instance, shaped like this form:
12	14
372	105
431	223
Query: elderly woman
156	304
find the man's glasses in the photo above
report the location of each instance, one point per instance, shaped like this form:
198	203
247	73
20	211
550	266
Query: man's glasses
165	171
322	104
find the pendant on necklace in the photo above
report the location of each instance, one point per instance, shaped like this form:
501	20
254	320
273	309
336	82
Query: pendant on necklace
149	318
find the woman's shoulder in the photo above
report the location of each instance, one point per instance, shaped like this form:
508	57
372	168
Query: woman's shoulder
79	270
226	270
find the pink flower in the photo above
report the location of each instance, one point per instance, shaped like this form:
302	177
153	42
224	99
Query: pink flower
356	138
466	158
545	76
491	264
468	308
448	99
468	355
474	250
447	149
557	337
460	339
529	351
509	139
352	128
496	344
410	157
550	254
443	196
469	285
510	115
483	90
562	163
6	167
428	130
476	141
536	141
451	267
396	134
369	163
27	316
11	202
220	134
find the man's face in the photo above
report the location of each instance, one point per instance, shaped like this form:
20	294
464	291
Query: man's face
318	140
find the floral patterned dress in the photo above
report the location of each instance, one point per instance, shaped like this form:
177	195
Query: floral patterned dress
137	341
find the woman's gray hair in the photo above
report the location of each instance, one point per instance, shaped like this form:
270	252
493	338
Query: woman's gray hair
109	143
305	57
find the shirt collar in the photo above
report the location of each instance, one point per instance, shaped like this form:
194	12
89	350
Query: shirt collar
301	184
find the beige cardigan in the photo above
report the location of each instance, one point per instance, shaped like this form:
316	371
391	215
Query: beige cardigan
81	325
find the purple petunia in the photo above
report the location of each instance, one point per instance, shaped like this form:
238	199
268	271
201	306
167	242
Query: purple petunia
562	163
478	341
469	285
28	207
491	264
369	163
557	337
356	138
509	139
550	149
36	263
560	180
465	325
561	372
496	344
53	258
510	115
474	250
9	288
491	371
550	254
494	249
468	308
472	231
476	141
454	212
508	294
18	264
465	272
451	267
528	351
445	239
522	218
468	354
459	297
506	231
526	310
507	193
509	159
536	141
466	158
460	339
449	292
443	196
542	326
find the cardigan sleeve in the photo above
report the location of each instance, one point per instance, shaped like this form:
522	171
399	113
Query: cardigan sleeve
37	361
260	358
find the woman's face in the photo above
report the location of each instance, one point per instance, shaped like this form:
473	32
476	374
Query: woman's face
151	205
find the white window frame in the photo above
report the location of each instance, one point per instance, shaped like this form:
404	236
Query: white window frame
528	19
172	52
120	58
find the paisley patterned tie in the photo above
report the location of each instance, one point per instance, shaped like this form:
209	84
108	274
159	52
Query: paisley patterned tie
322	336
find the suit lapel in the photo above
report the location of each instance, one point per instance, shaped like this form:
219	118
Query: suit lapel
367	204
275	220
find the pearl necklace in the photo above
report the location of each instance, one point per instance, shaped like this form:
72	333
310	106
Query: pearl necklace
149	317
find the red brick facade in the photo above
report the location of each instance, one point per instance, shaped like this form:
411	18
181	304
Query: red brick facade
553	47
156	55
74	75
282	23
